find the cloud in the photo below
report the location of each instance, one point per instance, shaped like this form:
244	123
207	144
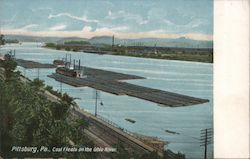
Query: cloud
126	17
42	9
24	29
120	28
192	25
109	13
144	22
58	27
87	29
83	18
156	17
117	28
29	26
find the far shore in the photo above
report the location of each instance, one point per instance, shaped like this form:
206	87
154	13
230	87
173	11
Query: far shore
182	54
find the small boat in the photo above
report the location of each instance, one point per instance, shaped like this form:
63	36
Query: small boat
130	120
171	132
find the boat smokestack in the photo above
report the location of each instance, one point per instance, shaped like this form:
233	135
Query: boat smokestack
66	60
79	64
69	59
74	63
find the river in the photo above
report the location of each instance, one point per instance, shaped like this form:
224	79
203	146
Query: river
189	78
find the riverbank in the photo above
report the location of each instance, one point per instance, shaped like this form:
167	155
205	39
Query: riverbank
183	54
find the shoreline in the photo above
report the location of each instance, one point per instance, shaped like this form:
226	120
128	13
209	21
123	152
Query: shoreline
187	57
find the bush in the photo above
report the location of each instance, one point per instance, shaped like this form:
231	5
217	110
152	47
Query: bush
67	49
58	47
50	45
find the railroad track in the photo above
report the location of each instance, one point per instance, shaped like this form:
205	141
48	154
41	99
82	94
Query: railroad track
112	135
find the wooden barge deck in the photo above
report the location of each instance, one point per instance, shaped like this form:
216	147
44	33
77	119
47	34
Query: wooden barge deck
113	86
93	73
32	64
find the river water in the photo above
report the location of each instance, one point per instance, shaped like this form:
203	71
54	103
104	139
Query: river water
189	78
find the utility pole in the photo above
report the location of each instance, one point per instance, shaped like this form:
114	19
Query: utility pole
74	63
96	97
61	87
66	61
206	139
205	153
24	71
14	56
38	73
155	50
95	103
69	60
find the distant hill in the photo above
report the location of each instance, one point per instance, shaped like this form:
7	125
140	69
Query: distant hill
179	42
63	40
59	40
23	38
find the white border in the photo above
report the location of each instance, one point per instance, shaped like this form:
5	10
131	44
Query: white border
231	78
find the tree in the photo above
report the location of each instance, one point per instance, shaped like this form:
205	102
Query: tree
152	155
2	40
27	117
67	49
9	65
36	83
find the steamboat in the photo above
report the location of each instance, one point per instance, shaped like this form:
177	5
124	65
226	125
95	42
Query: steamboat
65	68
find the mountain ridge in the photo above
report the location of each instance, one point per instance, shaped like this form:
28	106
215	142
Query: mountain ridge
159	42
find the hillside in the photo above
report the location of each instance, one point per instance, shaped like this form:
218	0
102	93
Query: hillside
179	42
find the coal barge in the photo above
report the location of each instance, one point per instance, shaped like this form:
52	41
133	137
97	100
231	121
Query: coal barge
109	82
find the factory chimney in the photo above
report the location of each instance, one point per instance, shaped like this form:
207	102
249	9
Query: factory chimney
113	41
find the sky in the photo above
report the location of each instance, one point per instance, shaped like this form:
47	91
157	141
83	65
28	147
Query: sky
123	18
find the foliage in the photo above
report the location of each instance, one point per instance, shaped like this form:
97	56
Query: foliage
77	43
37	84
52	45
11	41
9	65
56	93
27	117
152	155
2	40
67	49
58	47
